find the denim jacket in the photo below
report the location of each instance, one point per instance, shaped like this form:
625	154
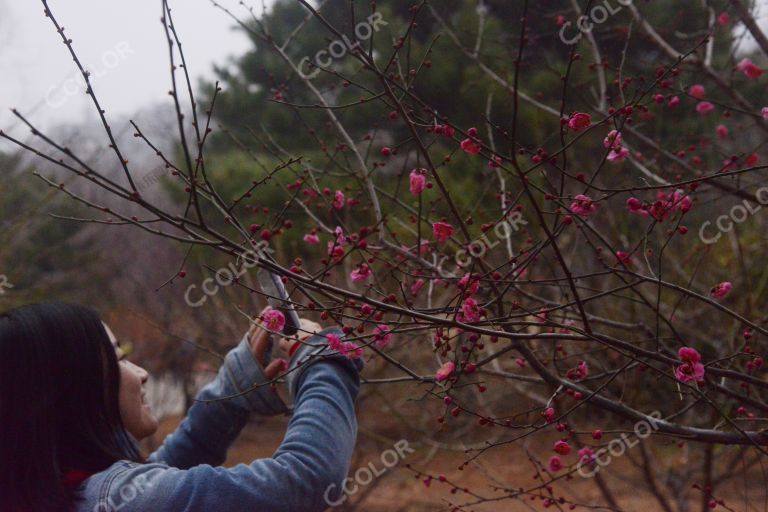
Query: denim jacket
306	472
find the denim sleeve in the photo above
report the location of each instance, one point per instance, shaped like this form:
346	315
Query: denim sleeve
209	428
305	474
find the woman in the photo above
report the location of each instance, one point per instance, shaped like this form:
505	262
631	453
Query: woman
72	409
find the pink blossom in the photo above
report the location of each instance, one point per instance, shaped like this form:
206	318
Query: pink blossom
697	91
704	107
749	69
338	200
381	336
691	369
634	204
347	348
549	414
618	154
445	371
418	182
721	290
612	140
311	238
361	273
673	102
723	18
764	112
689	355
579	120
586	455
351	350
335	251
336	247
470	283
445	129
470	311
274	320
688	372
583	205
442	231
681	201
722	131
665	205
334	341
562	447
555	464
470	146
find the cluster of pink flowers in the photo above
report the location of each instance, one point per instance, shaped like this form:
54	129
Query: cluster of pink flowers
361	273
382	336
555	464
749	69
338	200
691	369
444	129
348	348
618	152
664	206
471	144
703	107
583	205
470	311
470	283
336	247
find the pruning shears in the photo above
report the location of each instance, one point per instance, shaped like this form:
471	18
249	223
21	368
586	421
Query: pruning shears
277	297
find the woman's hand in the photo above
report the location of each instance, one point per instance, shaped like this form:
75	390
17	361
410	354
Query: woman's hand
259	339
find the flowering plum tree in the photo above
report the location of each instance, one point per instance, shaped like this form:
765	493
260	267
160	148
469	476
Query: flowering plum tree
504	222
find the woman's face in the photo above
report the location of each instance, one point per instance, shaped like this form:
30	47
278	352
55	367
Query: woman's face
134	410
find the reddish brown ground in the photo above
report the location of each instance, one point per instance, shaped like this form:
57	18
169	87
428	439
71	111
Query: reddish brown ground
398	489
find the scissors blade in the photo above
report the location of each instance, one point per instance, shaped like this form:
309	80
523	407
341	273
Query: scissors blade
277	297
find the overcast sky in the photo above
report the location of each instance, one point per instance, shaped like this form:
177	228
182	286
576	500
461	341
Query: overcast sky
121	42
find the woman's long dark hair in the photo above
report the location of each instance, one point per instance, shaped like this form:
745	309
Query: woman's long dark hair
59	409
